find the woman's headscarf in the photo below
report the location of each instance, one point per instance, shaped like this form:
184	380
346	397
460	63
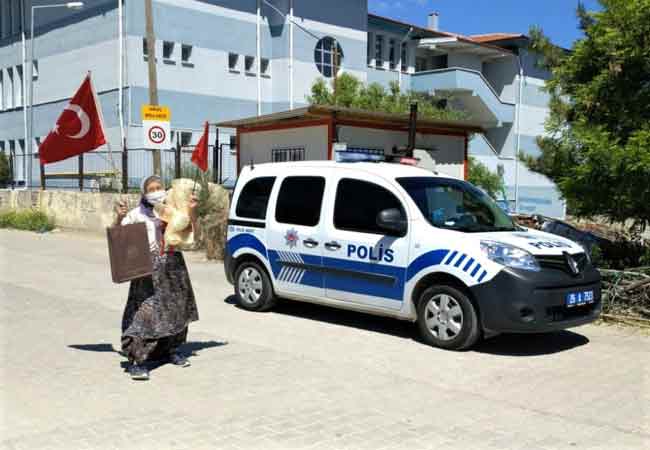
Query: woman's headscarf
145	206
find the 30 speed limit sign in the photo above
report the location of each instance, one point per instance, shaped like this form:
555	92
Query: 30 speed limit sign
155	125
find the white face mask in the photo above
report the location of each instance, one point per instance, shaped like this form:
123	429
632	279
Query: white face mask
156	197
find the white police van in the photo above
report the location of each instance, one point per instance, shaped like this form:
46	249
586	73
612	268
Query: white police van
400	241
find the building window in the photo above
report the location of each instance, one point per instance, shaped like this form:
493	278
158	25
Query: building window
379	51
264	67
402	58
249	65
369	48
145	49
34	69
328	56
392	54
168	51
420	64
186	54
2	92
288	154
186	138
233	62
10	87
439	62
19	86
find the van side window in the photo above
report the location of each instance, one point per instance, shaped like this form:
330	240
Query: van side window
300	200
359	202
254	198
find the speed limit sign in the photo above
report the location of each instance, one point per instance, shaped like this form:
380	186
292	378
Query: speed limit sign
155	125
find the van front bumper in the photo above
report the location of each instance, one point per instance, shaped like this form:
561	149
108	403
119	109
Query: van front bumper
518	301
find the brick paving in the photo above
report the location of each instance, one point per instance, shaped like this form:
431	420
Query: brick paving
299	377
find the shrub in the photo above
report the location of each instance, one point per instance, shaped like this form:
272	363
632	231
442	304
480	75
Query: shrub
29	219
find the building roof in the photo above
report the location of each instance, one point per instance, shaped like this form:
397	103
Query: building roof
493	37
314	112
427	32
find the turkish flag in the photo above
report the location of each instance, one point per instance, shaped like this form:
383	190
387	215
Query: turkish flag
79	128
200	153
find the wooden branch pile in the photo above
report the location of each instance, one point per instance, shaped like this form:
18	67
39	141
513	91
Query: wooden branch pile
626	293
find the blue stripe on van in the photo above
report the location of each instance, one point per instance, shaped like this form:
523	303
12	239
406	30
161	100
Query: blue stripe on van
460	260
476	269
468	265
450	258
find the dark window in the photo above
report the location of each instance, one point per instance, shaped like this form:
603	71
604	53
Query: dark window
168	50
359	202
439	62
249	63
145	49
233	61
254	198
379	51
186	53
264	68
300	200
392	54
402	57
328	56
186	138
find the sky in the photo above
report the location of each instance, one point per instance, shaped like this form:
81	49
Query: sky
556	17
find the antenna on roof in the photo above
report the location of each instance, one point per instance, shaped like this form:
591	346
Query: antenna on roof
252	164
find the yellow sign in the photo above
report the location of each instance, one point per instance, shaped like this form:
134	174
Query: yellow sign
153	112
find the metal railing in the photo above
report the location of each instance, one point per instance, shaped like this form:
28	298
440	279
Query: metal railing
116	170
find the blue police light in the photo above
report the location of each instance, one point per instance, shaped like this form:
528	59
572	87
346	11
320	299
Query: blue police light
352	154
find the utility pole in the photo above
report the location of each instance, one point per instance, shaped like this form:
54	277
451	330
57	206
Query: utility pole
153	79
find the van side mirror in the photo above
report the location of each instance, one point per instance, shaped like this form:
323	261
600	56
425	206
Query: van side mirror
392	220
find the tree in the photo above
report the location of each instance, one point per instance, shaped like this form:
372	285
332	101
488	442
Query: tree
352	93
5	172
490	182
597	147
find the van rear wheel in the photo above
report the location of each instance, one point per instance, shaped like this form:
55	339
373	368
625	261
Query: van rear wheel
253	287
447	318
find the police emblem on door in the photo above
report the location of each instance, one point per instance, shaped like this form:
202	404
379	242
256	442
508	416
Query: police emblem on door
291	238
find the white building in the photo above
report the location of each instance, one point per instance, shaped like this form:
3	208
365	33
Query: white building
210	67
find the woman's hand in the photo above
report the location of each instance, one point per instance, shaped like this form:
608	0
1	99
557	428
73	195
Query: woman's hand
193	204
122	210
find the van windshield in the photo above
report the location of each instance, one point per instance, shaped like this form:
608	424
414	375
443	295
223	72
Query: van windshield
456	205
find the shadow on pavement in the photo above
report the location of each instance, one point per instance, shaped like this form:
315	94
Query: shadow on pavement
531	344
311	311
94	347
189	349
504	345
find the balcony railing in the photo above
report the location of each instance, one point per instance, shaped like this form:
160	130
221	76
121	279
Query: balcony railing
471	88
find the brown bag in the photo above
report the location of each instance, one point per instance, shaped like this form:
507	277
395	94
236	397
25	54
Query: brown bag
128	251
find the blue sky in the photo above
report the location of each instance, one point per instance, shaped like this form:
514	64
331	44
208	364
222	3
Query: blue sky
556	17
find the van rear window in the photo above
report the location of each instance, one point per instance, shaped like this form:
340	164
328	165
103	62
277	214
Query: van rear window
254	198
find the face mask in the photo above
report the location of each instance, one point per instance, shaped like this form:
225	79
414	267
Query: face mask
156	197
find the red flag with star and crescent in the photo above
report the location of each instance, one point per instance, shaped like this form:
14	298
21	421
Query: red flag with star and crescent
79	128
200	153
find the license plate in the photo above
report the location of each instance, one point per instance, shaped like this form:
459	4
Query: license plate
579	298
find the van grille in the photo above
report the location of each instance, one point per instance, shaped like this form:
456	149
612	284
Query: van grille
558	262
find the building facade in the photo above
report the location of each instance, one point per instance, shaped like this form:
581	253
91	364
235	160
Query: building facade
221	60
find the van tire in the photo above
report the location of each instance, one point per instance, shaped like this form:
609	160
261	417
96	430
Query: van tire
253	288
447	318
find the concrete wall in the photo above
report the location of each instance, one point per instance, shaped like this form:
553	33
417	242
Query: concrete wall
257	146
74	210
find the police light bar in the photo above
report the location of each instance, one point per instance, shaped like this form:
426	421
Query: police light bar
359	155
408	161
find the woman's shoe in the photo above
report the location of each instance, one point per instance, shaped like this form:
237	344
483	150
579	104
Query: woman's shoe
179	360
138	372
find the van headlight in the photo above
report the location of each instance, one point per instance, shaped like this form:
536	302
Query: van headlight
509	255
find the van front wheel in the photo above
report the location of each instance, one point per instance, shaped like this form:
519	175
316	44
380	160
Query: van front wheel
447	318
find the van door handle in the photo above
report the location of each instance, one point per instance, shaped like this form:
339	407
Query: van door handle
310	243
332	245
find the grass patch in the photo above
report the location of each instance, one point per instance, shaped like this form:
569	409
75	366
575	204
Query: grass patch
28	219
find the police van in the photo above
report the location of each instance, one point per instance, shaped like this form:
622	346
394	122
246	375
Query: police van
400	241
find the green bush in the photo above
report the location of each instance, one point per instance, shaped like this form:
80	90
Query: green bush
5	173
29	219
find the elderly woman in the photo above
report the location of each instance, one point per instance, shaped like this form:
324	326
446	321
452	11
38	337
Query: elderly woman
159	307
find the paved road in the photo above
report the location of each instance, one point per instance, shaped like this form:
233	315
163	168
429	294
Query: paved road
299	377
